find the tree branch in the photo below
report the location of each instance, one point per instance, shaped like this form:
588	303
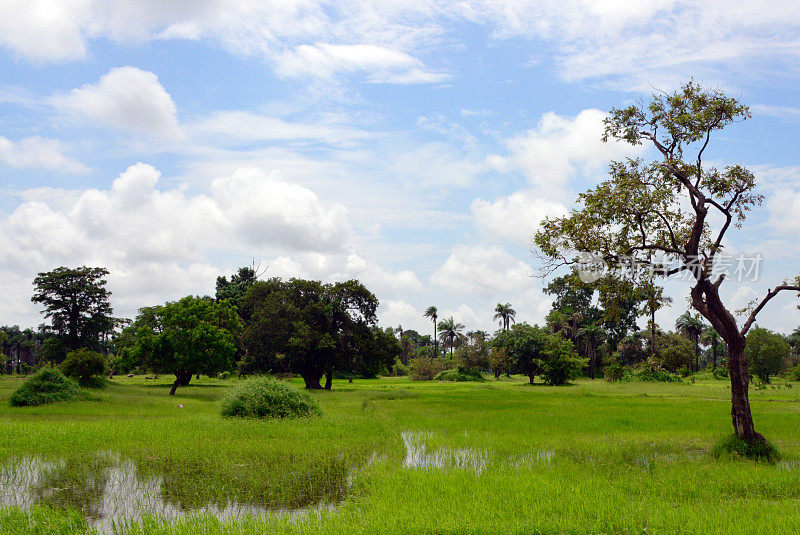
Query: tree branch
767	298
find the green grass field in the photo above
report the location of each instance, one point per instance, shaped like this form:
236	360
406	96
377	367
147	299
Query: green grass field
507	457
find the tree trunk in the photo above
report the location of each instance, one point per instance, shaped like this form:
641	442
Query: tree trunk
530	378
705	298
714	356
740	402
181	379
328	378
652	332
311	378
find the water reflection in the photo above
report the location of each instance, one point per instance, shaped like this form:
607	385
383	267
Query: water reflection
111	493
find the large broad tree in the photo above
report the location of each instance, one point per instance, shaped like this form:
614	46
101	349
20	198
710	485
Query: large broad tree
312	329
77	303
767	352
187	337
672	214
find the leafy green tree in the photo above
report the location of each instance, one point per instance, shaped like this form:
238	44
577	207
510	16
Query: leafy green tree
506	314
451	334
524	343
234	289
674	351
191	336
312	329
560	362
77	303
499	361
767	352
433	314
84	365
676	208
692	328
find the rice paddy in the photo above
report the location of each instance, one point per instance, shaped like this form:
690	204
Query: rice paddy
393	456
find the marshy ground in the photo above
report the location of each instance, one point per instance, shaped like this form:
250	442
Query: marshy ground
393	456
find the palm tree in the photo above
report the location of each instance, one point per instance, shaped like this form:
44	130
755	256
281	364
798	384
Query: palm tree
432	313
558	322
506	314
692	328
712	338
592	336
450	333
655	300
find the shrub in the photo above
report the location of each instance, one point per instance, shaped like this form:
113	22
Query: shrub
722	373
85	366
48	385
759	450
425	369
652	376
459	375
268	398
794	373
399	369
614	371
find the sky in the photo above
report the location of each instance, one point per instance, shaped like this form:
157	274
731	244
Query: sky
412	144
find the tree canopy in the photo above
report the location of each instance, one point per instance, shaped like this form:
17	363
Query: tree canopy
77	303
191	336
313	329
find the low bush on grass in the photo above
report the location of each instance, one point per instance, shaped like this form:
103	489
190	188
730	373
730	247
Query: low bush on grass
759	450
399	369
794	373
459	375
426	368
85	366
651	376
268	398
48	385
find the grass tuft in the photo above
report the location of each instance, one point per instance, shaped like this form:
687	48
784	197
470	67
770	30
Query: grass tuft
759	450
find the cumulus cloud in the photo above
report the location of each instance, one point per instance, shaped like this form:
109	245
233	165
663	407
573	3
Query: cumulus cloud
483	270
515	218
38	152
127	98
153	238
561	147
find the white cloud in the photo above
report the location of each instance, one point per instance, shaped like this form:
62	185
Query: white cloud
561	147
384	65
784	206
634	43
515	218
483	270
263	210
126	98
38	152
229	127
393	313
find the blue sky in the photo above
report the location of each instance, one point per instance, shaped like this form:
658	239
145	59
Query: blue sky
411	144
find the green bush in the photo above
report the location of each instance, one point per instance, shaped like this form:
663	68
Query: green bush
459	375
425	368
652	376
48	385
85	366
268	398
399	369
614	371
794	373
759	450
